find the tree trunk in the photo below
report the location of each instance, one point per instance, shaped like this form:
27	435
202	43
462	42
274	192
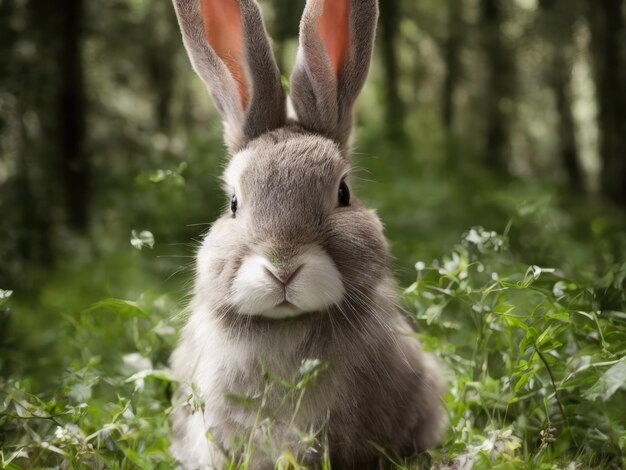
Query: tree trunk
26	222
161	49
394	107
8	37
500	85
76	170
37	149
52	181
35	225
452	62
452	74
608	35
557	21
561	84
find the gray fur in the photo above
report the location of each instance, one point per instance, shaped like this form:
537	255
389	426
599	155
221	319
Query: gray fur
380	386
322	102
267	105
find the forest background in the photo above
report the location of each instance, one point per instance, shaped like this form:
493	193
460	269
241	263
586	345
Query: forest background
490	137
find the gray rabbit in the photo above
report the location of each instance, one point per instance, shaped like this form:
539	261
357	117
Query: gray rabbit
297	268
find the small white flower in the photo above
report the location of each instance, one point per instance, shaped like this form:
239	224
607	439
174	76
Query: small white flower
473	237
62	434
5	294
128	413
141	239
164	330
308	366
534	271
420	266
69	433
137	362
559	289
450	266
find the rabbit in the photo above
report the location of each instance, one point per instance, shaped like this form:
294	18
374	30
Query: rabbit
296	271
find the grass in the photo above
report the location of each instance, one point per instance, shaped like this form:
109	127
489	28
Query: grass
528	316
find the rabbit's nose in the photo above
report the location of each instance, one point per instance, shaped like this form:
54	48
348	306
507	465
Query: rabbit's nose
283	276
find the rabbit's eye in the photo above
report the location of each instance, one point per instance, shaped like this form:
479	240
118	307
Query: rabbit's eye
233	204
343	194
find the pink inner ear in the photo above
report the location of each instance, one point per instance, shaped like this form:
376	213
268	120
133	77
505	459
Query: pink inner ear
223	31
334	30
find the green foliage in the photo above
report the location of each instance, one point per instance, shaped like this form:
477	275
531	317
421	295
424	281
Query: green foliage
535	358
529	321
536	362
109	406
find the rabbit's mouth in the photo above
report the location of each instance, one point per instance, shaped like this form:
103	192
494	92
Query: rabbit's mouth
283	310
305	283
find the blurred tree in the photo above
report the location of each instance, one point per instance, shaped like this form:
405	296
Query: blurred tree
608	36
394	107
452	61
160	54
33	67
10	137
500	85
48	175
557	21
74	160
59	104
284	27
8	38
452	52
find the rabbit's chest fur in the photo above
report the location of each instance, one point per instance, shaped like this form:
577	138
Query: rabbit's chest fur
375	389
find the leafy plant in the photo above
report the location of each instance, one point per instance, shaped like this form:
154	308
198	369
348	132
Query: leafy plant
535	359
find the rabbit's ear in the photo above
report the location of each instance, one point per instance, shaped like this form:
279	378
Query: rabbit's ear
336	41
230	51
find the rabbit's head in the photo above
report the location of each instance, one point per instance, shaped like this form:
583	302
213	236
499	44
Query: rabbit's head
294	240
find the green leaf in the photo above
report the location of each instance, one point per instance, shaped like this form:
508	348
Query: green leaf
561	316
516	321
503	309
173	177
523	379
433	312
609	383
165	375
287	461
121	307
248	402
544	335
